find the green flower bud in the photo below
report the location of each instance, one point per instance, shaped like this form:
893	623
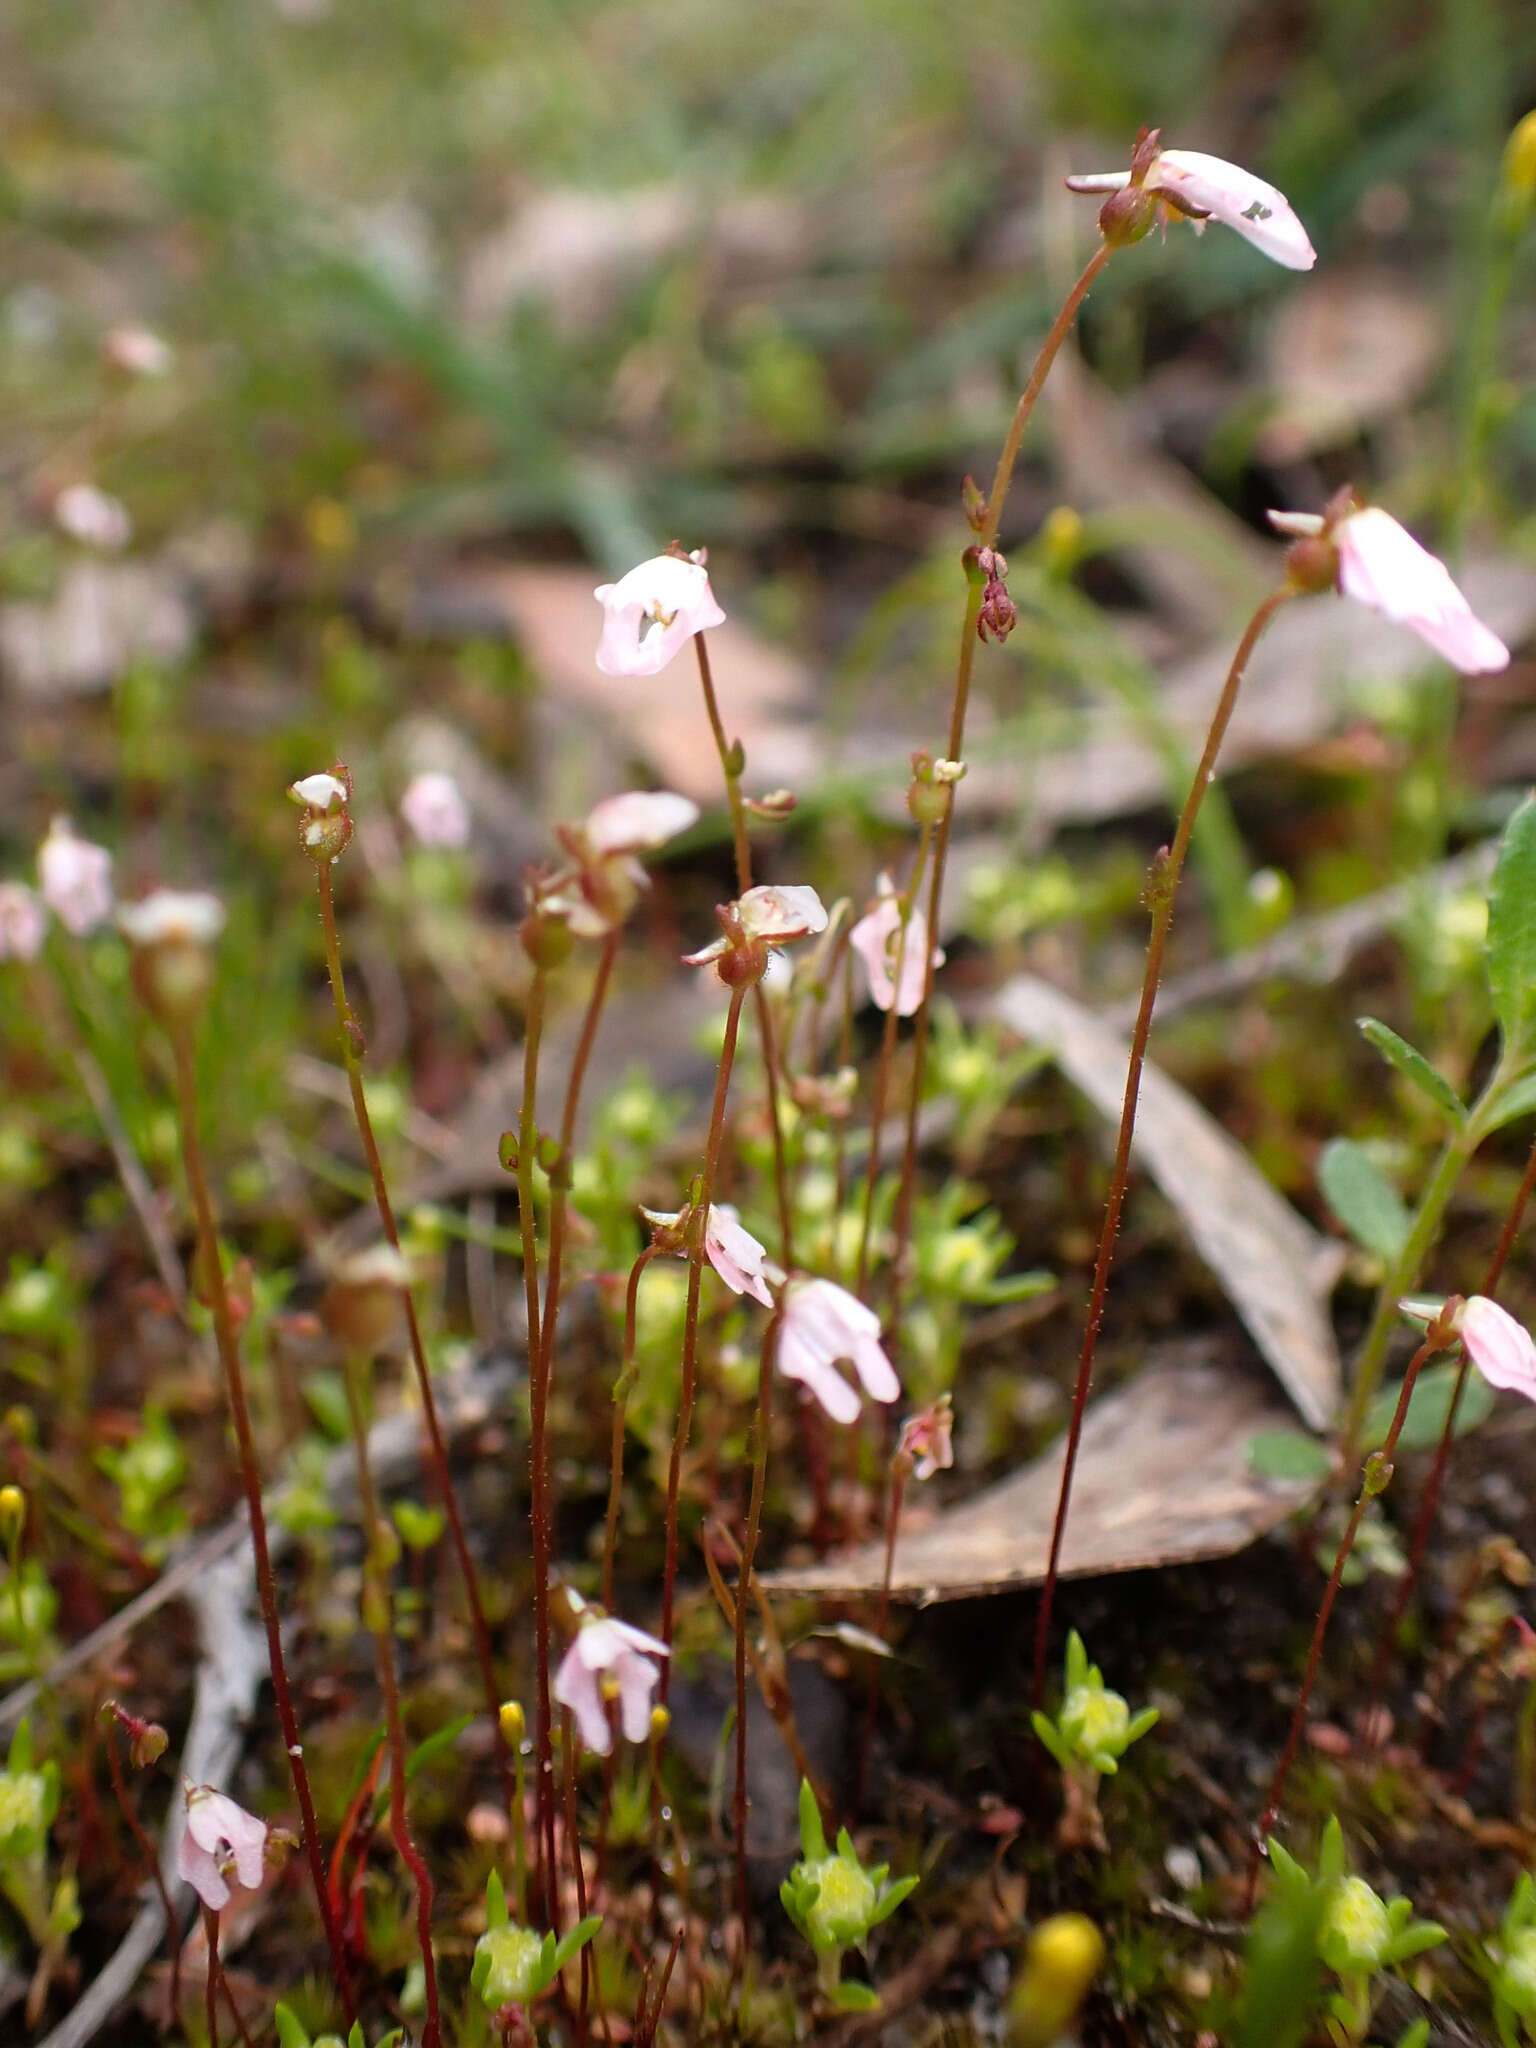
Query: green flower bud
1357	1929
510	1966
844	1906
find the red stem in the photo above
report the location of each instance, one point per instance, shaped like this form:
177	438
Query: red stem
1163	889
147	1850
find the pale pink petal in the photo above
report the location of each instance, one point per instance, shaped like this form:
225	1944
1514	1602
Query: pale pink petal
735	1254
433	807
195	1865
93	517
778	911
876	1371
74	879
23	922
651	614
798	1360
877	940
637	1678
172	917
823	1323
1382	565
1500	1348
577	1687
637	820
1227	192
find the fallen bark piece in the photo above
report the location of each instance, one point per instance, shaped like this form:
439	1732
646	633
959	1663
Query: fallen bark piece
1162	1478
1275	1269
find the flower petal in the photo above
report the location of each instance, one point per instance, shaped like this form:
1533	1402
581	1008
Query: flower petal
1255	209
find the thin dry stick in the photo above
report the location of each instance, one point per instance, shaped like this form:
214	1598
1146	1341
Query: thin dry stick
1375	1477
378	1619
211	1273
1162	891
992	521
1425	1518
353	1048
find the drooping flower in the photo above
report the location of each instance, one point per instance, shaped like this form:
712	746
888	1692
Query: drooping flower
137	351
768	915
1198	187
637	820
926	1439
821	1325
172	917
433	806
1380	564
1500	1348
876	938
651	614
93	517
742	1263
220	1837
74	879
597	891
609	1660
23	922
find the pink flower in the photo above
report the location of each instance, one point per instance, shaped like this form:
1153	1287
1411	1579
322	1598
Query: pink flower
876	938
23	922
598	891
926	1439
1382	565
650	614
638	820
172	917
433	807
742	1263
75	879
823	1323
1498	1346
1202	187
137	352
219	1837
93	517
768	915
609	1660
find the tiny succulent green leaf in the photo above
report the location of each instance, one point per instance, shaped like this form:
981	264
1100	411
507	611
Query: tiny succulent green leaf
291	2033
1288	1454
856	1998
892	1897
434	1744
1416	2036
1363	1199
1517	1100
813	1838
1330	1852
1413	1066
576	1939
495	1901
1045	1728
1512	928
1078	1670
1140	1724
1415	1939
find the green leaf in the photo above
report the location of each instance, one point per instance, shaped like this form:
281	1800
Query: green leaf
495	1901
856	1998
813	1839
419	1526
1518	1099
290	2032
577	1938
1512	929
1289	1454
1428	1406
1413	1066
903	1888
326	1398
1047	1731
440	1739
1362	1198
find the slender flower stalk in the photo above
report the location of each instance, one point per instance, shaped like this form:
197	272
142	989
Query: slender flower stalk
1161	894
758	1452
905	911
378	1619
211	1275
353	1047
146	1849
1375	1478
621	1392
991	519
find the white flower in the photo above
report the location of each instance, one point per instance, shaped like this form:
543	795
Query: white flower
1382	565
771	914
650	615
742	1263
1498	1346
93	517
1202	187
172	917
433	807
220	1837
637	820
319	792
23	922
876	938
821	1324
609	1660
74	878
137	352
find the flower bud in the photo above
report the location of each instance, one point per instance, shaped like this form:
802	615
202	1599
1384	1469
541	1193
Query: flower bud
546	939
1127	217
513	1722
13	1515
1064	1955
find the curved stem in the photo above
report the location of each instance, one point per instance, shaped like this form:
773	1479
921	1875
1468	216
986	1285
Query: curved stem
378	1620
211	1272
992	521
1374	1479
1163	885
730	767
352	1046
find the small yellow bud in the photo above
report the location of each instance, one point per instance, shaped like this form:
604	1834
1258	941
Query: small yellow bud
1061	539
661	1721
1519	170
13	1515
1063	1958
514	1723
